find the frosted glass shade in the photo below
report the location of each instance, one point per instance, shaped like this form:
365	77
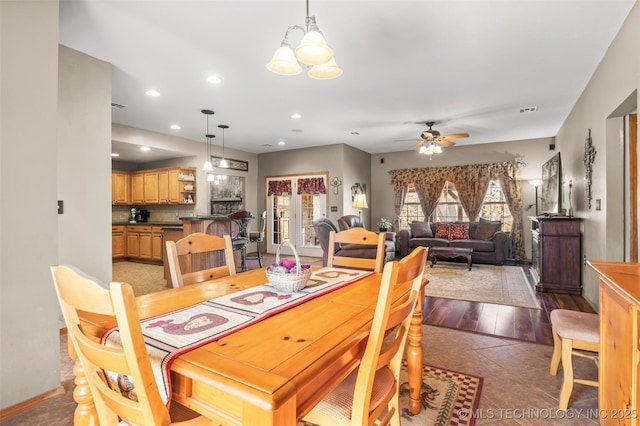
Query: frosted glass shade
211	178
313	49
224	164
325	71
284	62
207	166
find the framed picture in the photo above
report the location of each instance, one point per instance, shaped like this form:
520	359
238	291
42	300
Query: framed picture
233	164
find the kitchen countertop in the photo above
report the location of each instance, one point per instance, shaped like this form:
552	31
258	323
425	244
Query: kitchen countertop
212	217
163	224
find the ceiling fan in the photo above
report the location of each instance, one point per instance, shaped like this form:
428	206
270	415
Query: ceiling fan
431	138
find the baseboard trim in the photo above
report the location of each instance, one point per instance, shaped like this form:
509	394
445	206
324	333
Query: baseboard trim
30	403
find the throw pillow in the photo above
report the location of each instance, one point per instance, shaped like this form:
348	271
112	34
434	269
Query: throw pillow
442	230
486	229
459	231
421	230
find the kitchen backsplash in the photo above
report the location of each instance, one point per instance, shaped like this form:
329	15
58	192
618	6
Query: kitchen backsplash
158	213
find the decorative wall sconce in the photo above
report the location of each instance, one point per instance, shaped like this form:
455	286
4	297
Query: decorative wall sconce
589	158
359	197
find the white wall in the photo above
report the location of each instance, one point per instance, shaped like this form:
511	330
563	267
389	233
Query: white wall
84	163
29	339
611	92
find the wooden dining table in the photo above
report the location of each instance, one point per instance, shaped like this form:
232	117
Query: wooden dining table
274	371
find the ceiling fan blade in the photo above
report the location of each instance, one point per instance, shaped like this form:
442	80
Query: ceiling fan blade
408	140
418	144
456	135
445	142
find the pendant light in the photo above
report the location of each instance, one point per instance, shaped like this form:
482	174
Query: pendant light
312	51
208	167
224	164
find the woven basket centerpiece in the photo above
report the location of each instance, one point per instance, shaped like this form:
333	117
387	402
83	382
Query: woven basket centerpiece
286	275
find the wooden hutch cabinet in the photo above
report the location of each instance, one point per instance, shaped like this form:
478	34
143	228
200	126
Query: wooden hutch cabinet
556	254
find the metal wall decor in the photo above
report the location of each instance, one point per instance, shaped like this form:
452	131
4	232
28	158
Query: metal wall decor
233	164
335	182
589	158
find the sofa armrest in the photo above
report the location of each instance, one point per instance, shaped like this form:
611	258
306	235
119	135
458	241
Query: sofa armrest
405	236
500	239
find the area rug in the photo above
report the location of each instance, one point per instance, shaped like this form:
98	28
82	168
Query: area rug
501	285
144	278
447	398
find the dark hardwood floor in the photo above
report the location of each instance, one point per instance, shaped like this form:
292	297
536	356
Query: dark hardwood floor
531	325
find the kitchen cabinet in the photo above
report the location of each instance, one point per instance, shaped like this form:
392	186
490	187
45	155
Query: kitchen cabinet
176	185
137	188
151	187
619	355
118	242
139	242
120	186
556	254
157	243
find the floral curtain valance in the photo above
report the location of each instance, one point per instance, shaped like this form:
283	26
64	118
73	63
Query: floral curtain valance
279	187
311	186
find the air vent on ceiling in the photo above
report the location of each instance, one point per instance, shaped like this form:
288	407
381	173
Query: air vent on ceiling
530	109
117	106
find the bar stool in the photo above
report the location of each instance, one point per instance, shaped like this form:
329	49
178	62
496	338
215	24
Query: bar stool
573	330
258	238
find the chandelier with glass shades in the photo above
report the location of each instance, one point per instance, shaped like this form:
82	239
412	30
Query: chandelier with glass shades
312	51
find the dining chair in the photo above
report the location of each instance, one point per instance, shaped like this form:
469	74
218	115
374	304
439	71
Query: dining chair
198	257
369	394
240	234
258	238
78	292
366	249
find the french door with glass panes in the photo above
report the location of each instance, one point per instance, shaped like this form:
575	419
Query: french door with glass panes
293	203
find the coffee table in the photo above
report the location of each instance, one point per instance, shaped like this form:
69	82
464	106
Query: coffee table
450	253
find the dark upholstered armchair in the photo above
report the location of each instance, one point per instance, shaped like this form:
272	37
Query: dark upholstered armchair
324	226
349	221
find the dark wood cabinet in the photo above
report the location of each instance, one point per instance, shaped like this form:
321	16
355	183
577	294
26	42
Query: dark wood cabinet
556	254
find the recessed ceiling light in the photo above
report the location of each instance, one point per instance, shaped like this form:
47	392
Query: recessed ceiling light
115	154
175	127
214	79
153	93
145	148
282	143
296	116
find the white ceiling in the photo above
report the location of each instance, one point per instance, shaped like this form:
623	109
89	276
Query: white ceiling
470	66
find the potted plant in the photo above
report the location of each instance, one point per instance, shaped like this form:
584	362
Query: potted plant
384	225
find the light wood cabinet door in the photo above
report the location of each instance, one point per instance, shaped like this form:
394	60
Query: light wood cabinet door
173	186
137	188
120	183
163	187
145	245
133	245
118	242
151	188
157	243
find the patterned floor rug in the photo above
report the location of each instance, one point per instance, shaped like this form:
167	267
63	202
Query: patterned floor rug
501	285
447	398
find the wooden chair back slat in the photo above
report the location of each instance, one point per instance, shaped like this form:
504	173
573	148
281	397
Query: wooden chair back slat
199	257
361	237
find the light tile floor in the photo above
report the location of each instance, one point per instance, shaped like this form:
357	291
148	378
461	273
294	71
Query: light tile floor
517	388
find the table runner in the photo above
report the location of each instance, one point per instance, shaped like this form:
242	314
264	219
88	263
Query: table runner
169	335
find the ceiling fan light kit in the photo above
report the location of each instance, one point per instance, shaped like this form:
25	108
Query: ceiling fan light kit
312	51
431	141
